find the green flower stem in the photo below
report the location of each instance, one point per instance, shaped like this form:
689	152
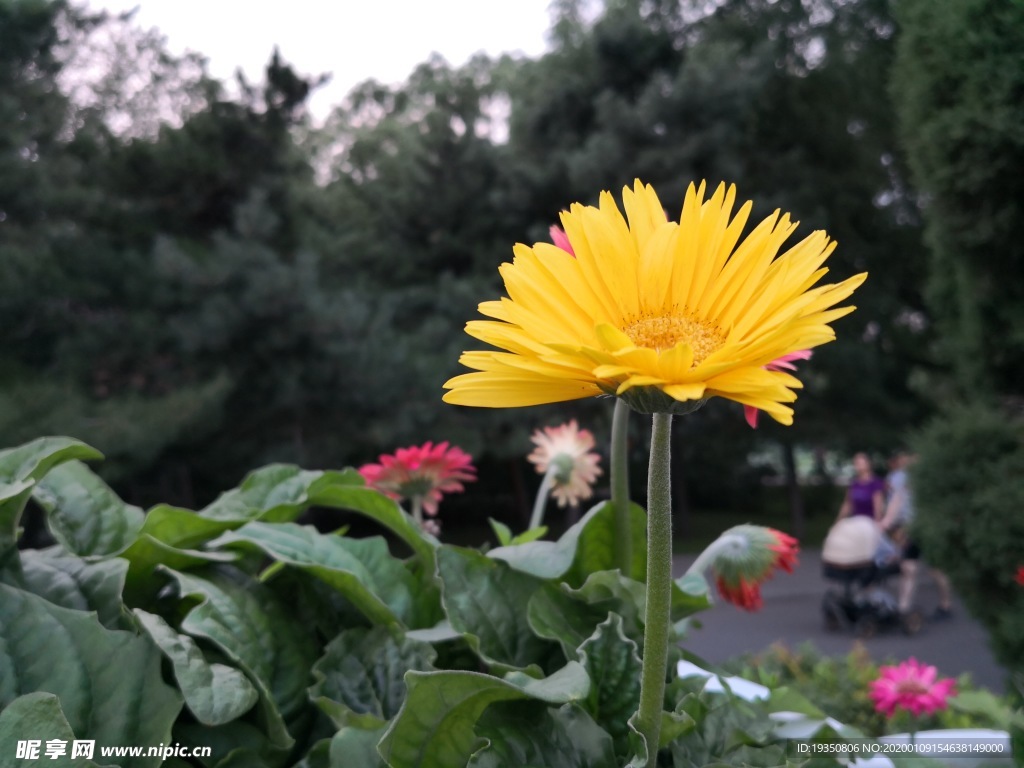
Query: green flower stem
417	510
723	543
620	488
659	585
542	496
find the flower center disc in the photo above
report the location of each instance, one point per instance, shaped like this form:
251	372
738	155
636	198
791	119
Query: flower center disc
661	332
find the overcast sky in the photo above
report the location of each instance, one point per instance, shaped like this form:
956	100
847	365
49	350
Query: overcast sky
352	39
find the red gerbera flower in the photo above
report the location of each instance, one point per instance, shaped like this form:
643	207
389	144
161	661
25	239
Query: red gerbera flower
422	474
1020	575
749	556
911	686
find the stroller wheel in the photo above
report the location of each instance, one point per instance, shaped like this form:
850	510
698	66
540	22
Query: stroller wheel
912	622
866	627
832	612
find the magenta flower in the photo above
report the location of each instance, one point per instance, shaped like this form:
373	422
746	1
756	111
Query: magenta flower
748	556
911	686
421	474
779	363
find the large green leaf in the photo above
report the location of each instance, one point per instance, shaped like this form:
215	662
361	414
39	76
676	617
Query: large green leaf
342	491
276	493
21	468
252	627
84	514
147	554
361	676
585	547
486	600
237	744
523	734
183	528
570	615
436	726
613	664
75	583
362	570
595	549
214	693
37	717
109	682
33	460
352	747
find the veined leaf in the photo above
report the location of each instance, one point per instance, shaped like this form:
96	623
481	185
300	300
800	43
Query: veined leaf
362	570
109	682
436	726
37	716
521	734
252	628
613	664
214	693
74	583
84	514
486	600
361	676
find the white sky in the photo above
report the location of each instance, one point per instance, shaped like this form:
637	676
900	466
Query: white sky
352	39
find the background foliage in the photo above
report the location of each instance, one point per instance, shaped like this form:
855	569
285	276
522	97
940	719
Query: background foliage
199	282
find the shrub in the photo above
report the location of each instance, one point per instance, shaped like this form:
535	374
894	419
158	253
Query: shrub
969	501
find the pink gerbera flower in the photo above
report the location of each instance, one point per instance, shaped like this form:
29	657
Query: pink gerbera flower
778	364
911	686
421	474
749	556
568	449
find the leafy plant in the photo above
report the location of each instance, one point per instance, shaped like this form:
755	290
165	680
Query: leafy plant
237	628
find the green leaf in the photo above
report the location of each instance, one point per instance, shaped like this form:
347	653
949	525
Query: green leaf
361	676
21	468
183	528
109	682
214	693
37	717
276	493
237	744
531	535
33	460
613	664
486	600
502	531
595	550
356	747
521	734
362	570
84	514
435	727
570	615
73	583
340	491
690	595
147	554
252	627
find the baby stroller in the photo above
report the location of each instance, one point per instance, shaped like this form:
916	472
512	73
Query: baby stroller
859	601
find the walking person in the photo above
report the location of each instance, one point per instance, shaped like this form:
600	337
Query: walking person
899	513
865	496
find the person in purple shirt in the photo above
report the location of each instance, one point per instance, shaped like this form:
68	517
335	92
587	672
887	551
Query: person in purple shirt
865	496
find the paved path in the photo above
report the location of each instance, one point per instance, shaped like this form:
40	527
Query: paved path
792	615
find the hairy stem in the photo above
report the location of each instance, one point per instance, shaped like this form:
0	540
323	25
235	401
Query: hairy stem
659	585
542	496
620	488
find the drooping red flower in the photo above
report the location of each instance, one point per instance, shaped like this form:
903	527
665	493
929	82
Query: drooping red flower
749	556
911	686
784	362
425	472
1020	575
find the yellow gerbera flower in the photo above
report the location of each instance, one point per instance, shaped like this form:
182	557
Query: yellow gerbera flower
662	314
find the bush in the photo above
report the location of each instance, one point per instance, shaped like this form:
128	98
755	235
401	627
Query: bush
840	686
969	501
